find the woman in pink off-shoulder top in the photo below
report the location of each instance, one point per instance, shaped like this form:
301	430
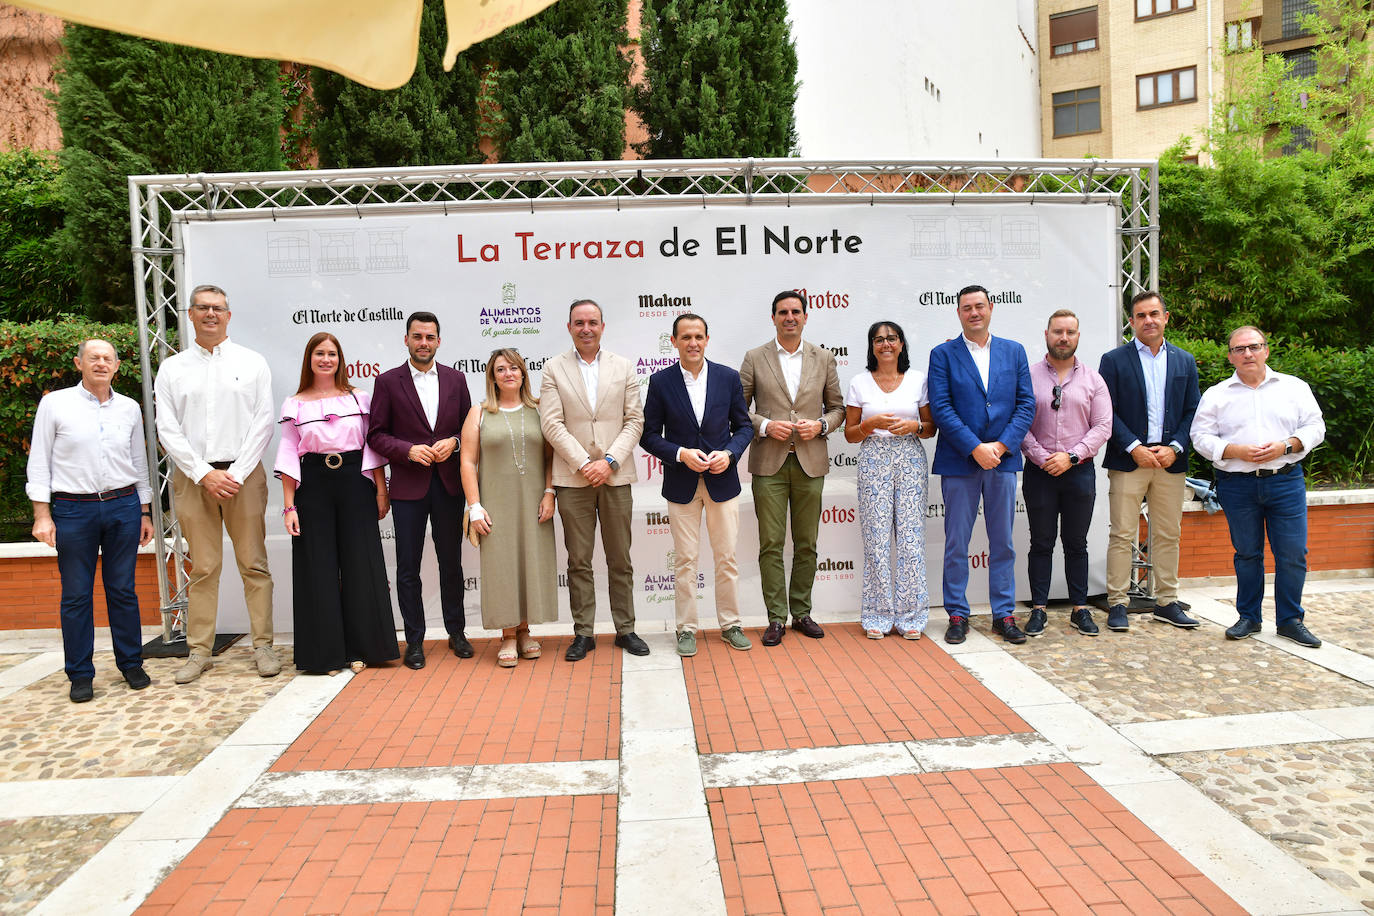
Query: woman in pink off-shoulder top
334	493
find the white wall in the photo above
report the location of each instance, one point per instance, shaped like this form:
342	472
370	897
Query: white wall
864	67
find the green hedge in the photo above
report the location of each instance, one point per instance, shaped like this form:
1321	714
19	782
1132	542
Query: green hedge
1343	382
35	359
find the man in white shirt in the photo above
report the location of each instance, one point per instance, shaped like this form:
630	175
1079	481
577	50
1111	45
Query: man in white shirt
87	476
1255	428
214	420
794	388
590	414
697	423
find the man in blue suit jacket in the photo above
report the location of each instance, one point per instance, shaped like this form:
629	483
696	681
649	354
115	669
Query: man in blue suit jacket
983	404
696	422
1154	391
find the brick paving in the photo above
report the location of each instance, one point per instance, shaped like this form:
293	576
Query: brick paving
842	689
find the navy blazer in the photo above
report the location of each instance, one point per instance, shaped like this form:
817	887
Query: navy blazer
1120	369
670	424
966	414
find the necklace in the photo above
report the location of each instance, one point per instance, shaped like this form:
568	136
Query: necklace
887	386
517	460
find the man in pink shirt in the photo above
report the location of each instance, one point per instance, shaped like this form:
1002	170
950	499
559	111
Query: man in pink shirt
1073	419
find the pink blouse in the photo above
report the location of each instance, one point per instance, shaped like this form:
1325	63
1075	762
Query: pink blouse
337	424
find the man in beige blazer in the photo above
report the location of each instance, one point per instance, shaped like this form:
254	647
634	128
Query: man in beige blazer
590	414
795	392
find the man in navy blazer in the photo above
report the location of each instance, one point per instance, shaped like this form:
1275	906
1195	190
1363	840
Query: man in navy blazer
1154	391
696	422
983	404
418	409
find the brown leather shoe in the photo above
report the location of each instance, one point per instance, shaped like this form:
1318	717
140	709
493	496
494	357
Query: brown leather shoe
774	634
807	627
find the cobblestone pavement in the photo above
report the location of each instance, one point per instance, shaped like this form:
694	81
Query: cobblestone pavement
9	661
38	853
1345	618
1156	672
1316	801
158	731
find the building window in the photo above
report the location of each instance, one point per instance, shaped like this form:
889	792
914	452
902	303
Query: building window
1303	63
1073	32
1172	87
1078	111
1240	36
1148	9
1293	13
1300	139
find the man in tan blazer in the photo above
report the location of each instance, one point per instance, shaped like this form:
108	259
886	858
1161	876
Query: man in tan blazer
590	414
795	392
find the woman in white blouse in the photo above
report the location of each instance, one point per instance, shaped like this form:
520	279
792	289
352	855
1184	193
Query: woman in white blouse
887	409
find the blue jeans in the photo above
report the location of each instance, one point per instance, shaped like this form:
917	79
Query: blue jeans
997	491
86	530
1061	506
1277	506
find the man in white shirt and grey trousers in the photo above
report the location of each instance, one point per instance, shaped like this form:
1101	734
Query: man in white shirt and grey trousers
214	420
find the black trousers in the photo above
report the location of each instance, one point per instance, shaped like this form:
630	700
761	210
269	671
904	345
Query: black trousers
342	601
444	512
1064	503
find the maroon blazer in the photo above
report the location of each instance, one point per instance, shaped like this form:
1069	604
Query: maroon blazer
398	421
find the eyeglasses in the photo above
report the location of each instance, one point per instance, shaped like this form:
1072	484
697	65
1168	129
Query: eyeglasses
889	339
1058	393
1247	348
217	309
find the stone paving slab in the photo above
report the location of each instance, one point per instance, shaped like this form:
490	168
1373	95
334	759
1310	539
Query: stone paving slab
9	660
162	730
1156	672
1315	801
39	853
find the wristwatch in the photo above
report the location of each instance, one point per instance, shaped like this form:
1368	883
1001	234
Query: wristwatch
825	427
1178	452
615	465
1288	446
1073	459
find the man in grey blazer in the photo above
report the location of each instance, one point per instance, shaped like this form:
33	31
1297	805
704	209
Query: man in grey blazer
796	401
590	414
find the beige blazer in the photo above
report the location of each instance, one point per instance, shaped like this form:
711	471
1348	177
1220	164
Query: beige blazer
576	432
818	397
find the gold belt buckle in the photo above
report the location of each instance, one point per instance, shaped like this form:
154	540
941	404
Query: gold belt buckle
333	461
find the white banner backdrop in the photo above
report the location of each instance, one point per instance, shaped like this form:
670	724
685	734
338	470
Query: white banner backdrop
506	279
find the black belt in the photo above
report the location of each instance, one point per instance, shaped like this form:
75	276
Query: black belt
220	465
333	460
130	490
1262	472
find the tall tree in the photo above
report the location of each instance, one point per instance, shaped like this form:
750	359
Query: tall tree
720	79
129	106
431	120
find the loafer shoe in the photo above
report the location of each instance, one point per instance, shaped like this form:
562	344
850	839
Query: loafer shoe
1035	623
1298	633
1006	628
195	666
1243	628
957	631
415	656
460	646
774	634
1173	614
82	691
633	644
265	657
686	643
734	638
807	627
1082	621
137	678
1118	619
579	648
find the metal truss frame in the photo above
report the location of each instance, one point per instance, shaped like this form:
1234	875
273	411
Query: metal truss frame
160	205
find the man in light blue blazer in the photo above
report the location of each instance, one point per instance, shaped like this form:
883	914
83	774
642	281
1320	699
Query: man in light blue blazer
696	422
983	405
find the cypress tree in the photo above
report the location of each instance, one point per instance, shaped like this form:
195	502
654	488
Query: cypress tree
720	79
129	106
431	120
560	83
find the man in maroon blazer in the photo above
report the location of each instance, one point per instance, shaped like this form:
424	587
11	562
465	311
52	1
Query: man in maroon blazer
418	409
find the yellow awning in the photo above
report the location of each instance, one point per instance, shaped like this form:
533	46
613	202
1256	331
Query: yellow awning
373	42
